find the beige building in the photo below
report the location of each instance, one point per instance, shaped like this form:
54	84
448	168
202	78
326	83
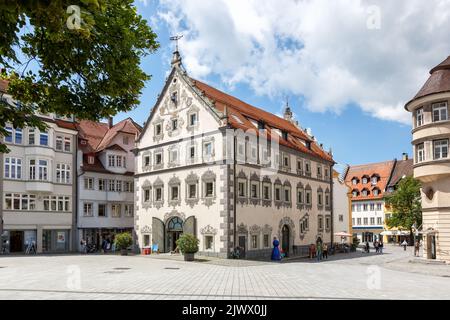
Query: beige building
342	213
431	134
203	167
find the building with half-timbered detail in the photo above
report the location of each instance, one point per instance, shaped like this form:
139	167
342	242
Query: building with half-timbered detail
232	174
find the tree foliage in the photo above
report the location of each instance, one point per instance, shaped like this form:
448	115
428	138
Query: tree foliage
59	61
405	204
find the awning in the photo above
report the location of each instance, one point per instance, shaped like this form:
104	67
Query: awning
343	234
394	233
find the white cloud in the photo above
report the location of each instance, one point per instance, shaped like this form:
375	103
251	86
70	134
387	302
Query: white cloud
330	52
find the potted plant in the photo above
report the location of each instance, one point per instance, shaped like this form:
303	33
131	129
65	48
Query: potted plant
188	245
122	242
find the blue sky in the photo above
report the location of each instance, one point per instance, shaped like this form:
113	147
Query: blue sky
355	135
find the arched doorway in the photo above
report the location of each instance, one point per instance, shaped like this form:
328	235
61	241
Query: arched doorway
285	233
174	231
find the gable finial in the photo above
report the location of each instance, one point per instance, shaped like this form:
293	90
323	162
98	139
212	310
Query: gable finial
176	57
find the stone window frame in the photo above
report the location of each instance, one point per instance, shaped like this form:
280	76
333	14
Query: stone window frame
156	185
327	196
171	149
156	122
209	177
255	231
301	201
327	219
174	182
192	110
319	171
286	155
192	179
189	145
320	199
287	186
307	164
326	173
242	178
255	180
208	231
299	171
320	226
144	156
157	166
308	190
266	182
266	230
277	185
303	226
206	141
147	186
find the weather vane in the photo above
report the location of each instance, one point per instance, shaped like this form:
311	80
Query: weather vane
176	38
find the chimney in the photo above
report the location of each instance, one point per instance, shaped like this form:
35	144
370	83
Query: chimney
404	156
110	122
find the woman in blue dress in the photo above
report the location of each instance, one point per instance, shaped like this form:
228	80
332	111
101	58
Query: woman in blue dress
276	251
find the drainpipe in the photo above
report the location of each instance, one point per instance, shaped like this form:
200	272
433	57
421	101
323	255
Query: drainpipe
234	193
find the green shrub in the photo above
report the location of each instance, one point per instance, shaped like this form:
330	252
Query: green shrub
123	240
188	243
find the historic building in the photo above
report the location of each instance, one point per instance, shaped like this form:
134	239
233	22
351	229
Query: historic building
105	179
431	135
38	185
368	184
342	213
204	167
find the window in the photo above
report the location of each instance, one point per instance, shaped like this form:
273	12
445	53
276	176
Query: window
147	161
146	240
266	241
440	149
192	119
376	192
286	161
125	140
158	129
379	221
192	191
174	193
9	135
440	112
353	207
43	170
128	186
118	161
43	138
13	168
365	207
419	117
365	192
366	221
112	185
111	161
102	210
32	170
378	206
353	222
89	183
241	189
147	195
327	223
173	156
192	152
327	199
374	180
254	190
158	194
115	210
341	218
358	207
354	181
67	144
320	223
364	180
327	173
129	210
62	173
209	242
372	207
319	199
355	193
158	158
91	159
299	166
16	201
174	124
266	192
31	136
372	221
319	172
102	184
208	149
254	241
118	186
287	194
277	193
59	143
18	136
308	199
420	153
209	192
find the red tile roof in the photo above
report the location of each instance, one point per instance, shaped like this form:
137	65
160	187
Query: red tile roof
439	81
403	168
240	113
382	169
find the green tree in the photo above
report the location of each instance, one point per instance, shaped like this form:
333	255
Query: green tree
72	57
406	205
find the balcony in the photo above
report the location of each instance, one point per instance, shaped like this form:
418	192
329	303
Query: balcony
39	186
429	171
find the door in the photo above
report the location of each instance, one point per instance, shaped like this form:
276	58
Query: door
433	247
16	241
285	239
243	245
158	234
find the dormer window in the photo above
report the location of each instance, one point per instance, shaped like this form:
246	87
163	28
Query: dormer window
355	192
376	192
374	180
158	129
91	159
365	179
365	192
174	98
261	125
355	181
174	124
284	135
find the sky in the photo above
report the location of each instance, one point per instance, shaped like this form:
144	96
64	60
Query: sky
348	67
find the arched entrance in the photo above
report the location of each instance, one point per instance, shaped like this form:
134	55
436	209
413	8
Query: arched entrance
174	231
285	233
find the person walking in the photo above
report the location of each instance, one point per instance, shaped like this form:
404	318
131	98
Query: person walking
380	247
325	251
404	244
319	251
276	255
416	248
367	247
